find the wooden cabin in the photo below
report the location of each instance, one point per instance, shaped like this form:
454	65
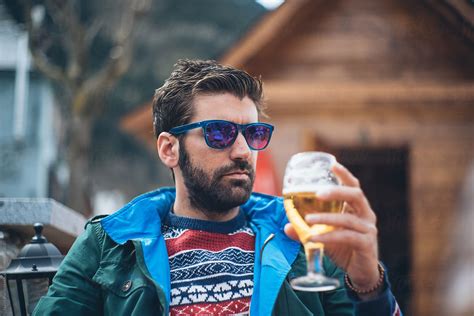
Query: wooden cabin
388	87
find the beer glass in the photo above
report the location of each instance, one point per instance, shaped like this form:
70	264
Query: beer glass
305	174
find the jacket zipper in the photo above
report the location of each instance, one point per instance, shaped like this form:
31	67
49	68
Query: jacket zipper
265	243
270	237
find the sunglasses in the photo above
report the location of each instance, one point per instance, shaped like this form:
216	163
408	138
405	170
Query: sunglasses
221	134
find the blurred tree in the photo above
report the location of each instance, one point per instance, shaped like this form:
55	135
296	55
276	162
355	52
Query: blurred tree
84	47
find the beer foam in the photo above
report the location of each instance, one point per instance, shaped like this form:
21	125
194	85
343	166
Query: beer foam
306	188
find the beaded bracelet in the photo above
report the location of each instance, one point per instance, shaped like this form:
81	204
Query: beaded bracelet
370	290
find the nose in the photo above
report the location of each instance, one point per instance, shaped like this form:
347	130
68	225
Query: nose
240	150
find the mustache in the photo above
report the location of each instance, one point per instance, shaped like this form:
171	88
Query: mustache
239	165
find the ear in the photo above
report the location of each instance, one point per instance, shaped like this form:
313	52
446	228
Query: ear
167	146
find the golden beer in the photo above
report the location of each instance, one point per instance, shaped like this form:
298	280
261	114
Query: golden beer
300	204
306	174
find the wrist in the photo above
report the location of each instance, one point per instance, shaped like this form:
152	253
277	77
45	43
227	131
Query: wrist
370	290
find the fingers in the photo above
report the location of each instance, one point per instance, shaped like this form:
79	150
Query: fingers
290	232
352	231
351	195
345	221
345	176
353	239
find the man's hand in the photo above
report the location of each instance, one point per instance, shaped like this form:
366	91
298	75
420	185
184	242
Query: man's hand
353	244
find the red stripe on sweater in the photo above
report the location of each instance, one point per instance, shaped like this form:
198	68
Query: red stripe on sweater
192	240
222	308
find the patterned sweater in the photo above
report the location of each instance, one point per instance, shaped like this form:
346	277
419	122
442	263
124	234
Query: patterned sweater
211	265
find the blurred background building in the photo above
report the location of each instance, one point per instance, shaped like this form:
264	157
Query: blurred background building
28	143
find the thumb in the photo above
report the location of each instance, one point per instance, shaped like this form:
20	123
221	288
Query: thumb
290	232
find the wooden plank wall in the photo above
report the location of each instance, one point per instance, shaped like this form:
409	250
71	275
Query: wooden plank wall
366	40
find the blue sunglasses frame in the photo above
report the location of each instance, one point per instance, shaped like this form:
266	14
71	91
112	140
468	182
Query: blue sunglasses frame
240	127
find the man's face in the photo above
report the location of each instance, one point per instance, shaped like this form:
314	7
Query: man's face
218	180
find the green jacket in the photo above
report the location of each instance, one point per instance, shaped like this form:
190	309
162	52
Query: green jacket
110	269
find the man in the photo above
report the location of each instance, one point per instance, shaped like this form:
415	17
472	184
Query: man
210	246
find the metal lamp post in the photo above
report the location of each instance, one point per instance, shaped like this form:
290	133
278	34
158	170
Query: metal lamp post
30	274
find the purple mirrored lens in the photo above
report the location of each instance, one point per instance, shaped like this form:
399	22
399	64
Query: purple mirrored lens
257	136
220	134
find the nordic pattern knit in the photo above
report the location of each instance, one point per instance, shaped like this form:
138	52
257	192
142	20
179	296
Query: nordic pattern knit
211	265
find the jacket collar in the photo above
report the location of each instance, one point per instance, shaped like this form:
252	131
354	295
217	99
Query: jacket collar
141	218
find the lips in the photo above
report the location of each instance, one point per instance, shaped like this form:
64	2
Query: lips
237	174
237	170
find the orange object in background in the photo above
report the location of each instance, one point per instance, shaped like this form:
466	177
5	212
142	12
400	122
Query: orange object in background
266	180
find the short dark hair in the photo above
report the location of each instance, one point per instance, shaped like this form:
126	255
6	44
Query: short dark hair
172	103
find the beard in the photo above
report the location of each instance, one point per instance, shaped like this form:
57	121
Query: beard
213	193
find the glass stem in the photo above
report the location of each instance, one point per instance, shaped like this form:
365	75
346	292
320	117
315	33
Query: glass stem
315	259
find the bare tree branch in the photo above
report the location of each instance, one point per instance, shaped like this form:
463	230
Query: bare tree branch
61	20
72	37
47	68
118	61
55	12
92	32
76	48
76	39
98	84
40	60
